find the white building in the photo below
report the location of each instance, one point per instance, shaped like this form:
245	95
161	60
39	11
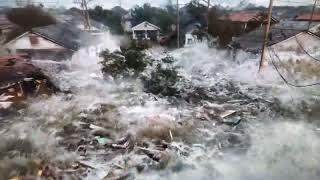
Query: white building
145	31
53	42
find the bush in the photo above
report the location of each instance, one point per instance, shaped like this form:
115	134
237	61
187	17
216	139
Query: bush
161	79
123	64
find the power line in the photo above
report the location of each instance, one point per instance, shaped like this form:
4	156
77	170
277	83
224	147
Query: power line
282	76
304	50
312	13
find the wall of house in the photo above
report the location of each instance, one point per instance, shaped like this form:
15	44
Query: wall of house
24	43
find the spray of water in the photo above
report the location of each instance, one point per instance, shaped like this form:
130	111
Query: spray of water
261	148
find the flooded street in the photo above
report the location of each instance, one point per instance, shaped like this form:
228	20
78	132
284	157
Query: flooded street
230	123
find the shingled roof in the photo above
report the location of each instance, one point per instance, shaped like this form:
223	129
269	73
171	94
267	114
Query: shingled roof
65	35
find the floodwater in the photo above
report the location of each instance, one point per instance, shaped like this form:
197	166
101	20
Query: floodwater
277	138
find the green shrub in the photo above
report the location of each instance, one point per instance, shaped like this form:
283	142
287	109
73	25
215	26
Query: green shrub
161	79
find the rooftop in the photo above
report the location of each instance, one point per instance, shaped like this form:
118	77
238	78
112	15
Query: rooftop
243	16
307	17
145	26
279	32
65	35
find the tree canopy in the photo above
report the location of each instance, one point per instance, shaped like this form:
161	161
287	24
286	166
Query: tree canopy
30	17
163	18
27	18
110	18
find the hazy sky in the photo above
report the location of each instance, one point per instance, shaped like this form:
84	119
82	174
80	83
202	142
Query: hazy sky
130	3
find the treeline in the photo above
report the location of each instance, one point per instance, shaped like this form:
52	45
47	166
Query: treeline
27	18
166	19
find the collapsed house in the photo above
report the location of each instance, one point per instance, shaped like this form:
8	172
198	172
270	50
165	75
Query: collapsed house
54	42
19	79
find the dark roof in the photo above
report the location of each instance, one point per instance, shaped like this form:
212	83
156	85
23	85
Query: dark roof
279	32
243	16
65	35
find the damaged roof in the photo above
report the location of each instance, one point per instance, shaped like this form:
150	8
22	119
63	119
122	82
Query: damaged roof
243	16
279	32
13	71
65	35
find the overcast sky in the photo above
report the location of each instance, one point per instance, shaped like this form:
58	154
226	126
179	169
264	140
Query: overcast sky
130	3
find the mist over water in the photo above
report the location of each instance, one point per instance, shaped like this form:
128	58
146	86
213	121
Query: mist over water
266	145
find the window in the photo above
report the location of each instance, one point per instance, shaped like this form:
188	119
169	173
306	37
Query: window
34	40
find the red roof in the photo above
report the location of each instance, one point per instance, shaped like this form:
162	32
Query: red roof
307	17
243	16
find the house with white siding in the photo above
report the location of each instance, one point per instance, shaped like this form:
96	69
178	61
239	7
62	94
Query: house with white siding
54	42
145	31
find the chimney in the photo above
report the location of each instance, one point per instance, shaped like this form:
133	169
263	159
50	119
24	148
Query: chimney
34	40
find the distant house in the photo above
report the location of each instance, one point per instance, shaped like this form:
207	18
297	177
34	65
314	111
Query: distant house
247	20
282	31
145	31
307	17
55	42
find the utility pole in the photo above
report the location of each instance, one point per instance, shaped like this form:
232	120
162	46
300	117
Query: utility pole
208	15
88	24
312	14
263	61
85	13
178	25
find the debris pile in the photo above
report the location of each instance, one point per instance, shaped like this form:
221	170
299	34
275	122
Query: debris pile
19	80
20	159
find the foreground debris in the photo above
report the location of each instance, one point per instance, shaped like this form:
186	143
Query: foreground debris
19	80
